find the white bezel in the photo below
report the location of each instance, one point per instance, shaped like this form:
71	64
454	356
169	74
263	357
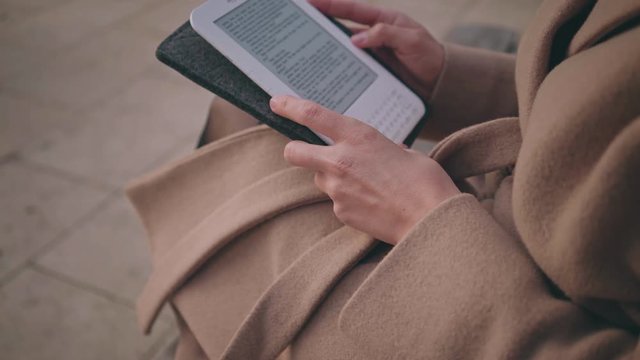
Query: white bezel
202	21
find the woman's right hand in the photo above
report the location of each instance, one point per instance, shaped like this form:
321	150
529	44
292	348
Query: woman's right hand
402	43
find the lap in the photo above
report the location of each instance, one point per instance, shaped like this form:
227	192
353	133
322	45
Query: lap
196	198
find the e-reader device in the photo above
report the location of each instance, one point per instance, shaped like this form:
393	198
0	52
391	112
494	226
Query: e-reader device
287	47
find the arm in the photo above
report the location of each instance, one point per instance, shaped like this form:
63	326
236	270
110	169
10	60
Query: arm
475	86
457	285
470	290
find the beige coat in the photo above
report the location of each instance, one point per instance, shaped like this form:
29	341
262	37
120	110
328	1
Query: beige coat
542	260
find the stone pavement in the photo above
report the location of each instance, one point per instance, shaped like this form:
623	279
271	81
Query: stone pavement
84	108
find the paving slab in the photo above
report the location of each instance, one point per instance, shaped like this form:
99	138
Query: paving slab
85	76
129	133
45	318
14	11
484	36
24	123
514	15
168	351
163	19
437	16
16	61
58	26
181	107
37	206
108	252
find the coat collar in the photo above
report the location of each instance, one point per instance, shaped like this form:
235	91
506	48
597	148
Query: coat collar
534	54
604	20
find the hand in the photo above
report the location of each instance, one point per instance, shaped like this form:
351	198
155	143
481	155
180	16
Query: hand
376	186
402	43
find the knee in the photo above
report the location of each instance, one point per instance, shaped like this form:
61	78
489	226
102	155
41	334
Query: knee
225	119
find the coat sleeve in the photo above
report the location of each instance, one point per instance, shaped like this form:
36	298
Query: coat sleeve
475	86
469	289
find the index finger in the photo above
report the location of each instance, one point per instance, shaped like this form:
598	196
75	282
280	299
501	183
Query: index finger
301	154
358	12
313	116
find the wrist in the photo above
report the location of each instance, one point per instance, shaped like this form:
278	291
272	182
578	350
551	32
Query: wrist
429	203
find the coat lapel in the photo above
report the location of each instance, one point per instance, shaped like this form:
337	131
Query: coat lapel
605	19
535	49
217	230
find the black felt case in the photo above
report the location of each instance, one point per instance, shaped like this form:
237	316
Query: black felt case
192	56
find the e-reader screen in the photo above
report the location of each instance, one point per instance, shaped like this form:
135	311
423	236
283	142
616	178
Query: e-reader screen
296	49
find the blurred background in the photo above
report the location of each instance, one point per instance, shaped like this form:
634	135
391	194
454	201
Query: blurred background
85	108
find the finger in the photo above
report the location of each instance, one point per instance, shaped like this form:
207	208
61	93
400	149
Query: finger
393	37
357	29
328	185
320	179
313	116
361	12
413	152
301	154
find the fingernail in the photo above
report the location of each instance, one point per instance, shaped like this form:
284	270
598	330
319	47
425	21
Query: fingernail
359	38
275	102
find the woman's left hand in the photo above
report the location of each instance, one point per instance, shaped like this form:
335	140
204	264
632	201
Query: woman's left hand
377	187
